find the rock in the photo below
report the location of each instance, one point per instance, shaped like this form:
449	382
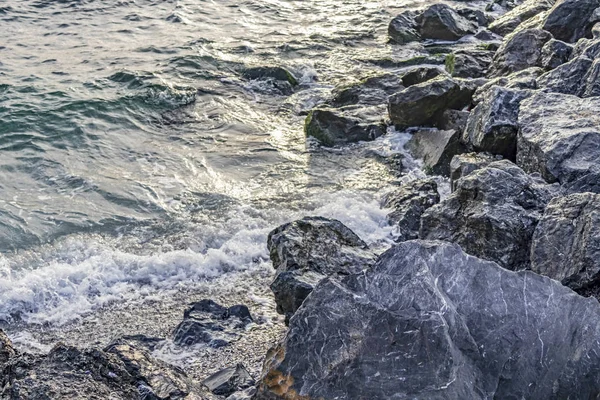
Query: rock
491	214
509	22
493	124
7	351
475	15
229	380
469	63
371	91
246	394
418	104
333	127
568	78
571	20
436	148
403	28
520	50
430	323
463	164
420	74
210	323
442	22
555	53
267	72
306	251
566	242
559	137
408	204
525	79
155	379
452	120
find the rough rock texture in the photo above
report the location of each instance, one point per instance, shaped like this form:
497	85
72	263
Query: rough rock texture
567	78
210	323
442	22
418	104
469	63
339	126
436	148
492	214
508	22
560	138
463	164
452	120
493	124
306	251
403	28
408	204
520	50
420	74
373	90
555	53
229	380
525	79
571	20
566	243
430	323
7	351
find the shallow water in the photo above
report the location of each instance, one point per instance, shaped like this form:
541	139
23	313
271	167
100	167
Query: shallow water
136	159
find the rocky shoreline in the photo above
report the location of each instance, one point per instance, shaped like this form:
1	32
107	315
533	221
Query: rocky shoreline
490	292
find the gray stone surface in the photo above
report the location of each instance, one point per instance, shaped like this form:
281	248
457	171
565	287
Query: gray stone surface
520	50
429	322
555	53
463	164
525	79
508	22
469	63
403	28
567	78
373	90
571	20
442	22
436	148
229	380
566	243
492	214
559	137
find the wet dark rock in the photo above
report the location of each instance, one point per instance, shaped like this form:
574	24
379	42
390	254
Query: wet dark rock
469	63
555	53
568	78
493	124
559	137
491	214
7	351
525	79
212	324
452	120
229	380
571	20
508	22
436	148
403	28
371	91
520	50
408	204
446	325
246	394
306	251
463	164
489	36
344	125
420	74
418	104
480	17
442	22
566	243
275	73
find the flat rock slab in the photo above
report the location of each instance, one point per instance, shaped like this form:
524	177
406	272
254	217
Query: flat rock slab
430	322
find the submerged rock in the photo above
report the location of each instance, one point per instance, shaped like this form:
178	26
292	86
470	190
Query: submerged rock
229	380
408	204
436	148
276	73
520	50
463	164
212	324
559	137
306	251
430	322
371	91
336	126
442	22
491	214
566	243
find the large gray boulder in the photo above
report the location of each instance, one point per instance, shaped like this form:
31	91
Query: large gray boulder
508	22
442	22
493	124
571	20
371	91
555	53
524	79
566	243
520	50
463	164
567	78
436	148
403	28
306	251
468	63
419	104
429	322
408	203
491	214
559	137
